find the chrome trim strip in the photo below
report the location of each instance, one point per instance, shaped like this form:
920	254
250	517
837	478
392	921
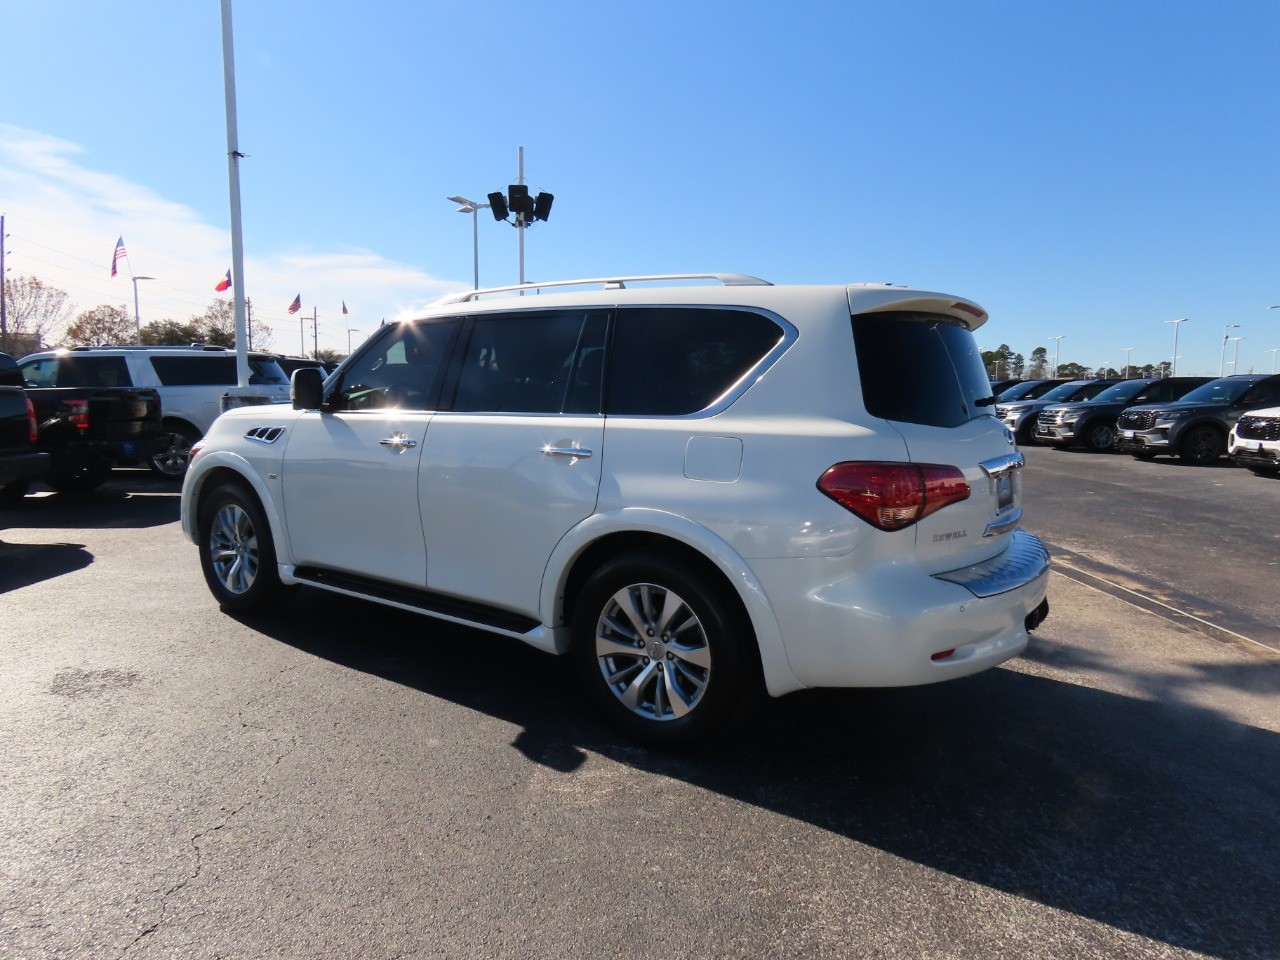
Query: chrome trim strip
1025	561
576	452
998	465
1003	524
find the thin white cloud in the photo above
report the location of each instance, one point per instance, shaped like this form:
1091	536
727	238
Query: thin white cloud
64	218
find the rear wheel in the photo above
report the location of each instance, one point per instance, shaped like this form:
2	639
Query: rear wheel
1099	436
237	554
661	652
1202	445
78	470
172	461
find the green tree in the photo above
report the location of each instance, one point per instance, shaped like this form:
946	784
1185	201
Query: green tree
217	326
1074	371
1039	361
103	325
35	314
330	355
171	333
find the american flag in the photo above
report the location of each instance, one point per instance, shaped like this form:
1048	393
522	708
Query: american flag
296	305
120	254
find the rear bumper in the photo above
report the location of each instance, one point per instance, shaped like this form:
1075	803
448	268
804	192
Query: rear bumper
23	466
900	626
130	451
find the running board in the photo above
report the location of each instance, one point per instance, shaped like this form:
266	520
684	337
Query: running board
424	601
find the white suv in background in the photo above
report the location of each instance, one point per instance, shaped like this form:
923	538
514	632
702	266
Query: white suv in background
697	492
191	382
1255	441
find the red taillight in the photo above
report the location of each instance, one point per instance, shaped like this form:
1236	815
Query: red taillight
891	496
32	432
77	413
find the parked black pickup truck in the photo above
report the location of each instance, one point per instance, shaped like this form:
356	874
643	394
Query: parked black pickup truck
20	461
85	431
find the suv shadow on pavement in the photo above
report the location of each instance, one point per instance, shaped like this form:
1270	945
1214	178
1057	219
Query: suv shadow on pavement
25	564
1152	817
130	499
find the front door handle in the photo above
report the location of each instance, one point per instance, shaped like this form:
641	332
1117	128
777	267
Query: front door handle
399	441
578	453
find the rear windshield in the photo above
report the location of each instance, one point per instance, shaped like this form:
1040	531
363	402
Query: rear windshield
920	368
1218	391
217	370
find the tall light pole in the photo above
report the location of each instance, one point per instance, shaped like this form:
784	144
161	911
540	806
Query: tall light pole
1128	360
526	208
1176	324
137	319
1235	364
1102	370
1056	343
351	330
1222	361
1273	351
472	207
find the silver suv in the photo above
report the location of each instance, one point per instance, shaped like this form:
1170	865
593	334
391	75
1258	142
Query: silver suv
695	492
192	383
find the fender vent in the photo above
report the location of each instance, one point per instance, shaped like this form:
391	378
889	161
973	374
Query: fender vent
265	434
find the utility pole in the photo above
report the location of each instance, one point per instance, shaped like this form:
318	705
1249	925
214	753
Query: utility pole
4	309
248	319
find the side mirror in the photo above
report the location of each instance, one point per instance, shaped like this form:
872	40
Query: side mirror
306	388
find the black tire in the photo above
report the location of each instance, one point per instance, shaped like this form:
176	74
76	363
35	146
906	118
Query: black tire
237	554
171	462
11	493
78	471
1099	435
665	692
1202	445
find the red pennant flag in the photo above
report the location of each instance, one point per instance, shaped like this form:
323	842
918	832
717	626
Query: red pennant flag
296	305
225	283
344	308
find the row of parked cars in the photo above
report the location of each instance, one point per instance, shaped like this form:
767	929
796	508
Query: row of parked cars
1197	419
70	415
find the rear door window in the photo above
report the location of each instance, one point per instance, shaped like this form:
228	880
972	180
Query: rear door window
668	361
89	371
920	368
207	371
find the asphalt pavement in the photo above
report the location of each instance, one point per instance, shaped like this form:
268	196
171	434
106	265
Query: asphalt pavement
343	780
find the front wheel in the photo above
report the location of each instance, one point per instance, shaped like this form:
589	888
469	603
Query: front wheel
1202	445
1100	436
237	554
662	652
172	461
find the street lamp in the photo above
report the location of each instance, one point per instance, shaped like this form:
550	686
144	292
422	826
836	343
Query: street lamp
1128	360
1176	324
1235	364
1222	361
1273	351
350	331
1056	343
1102	370
137	320
472	207
525	208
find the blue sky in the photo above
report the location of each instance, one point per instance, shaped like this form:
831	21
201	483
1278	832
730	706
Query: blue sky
1087	170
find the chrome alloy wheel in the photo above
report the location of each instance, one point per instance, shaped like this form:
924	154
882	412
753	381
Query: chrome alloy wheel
652	650
233	548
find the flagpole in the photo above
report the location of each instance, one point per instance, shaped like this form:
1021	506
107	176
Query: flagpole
233	177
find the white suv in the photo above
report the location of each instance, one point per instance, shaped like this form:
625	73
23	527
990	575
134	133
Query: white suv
191	382
696	492
1255	441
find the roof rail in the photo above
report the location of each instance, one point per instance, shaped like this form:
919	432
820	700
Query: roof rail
613	283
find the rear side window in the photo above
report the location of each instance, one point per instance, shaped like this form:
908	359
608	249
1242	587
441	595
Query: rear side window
920	368
81	371
195	371
668	361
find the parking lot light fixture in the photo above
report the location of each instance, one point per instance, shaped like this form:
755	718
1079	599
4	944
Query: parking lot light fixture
1273	351
1128	360
1235	363
1056	343
1176	324
472	207
1222	362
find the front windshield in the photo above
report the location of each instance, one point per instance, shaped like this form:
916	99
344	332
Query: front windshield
1226	390
1121	392
1063	391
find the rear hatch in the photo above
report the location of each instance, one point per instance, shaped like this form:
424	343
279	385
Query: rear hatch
922	372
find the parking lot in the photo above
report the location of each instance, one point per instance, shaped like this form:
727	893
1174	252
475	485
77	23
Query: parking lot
342	780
